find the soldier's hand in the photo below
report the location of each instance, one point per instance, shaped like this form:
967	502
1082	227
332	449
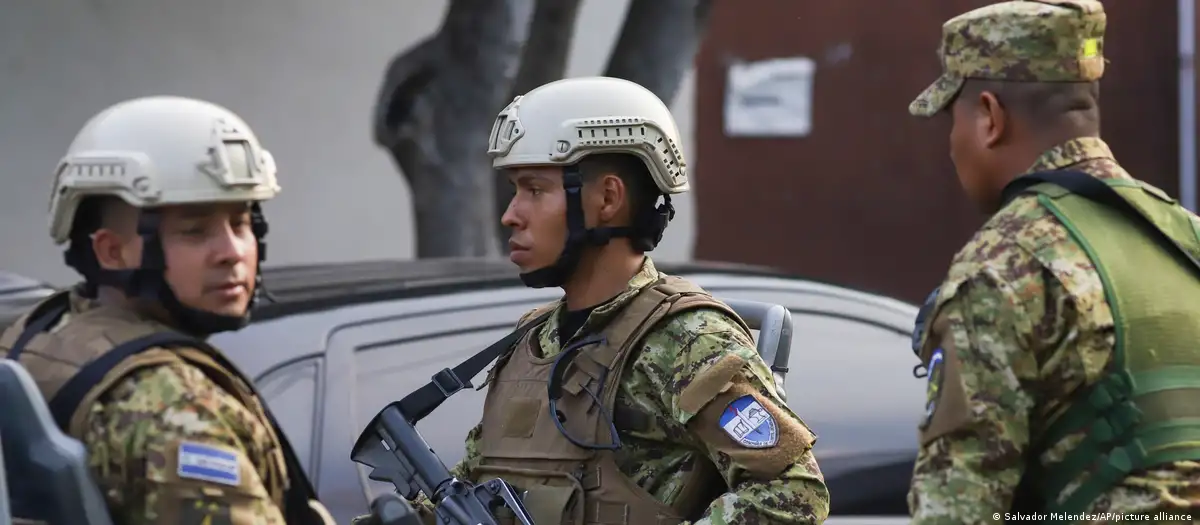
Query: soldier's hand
389	509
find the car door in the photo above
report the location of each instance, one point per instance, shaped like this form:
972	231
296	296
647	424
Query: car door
286	360
390	349
393	349
292	391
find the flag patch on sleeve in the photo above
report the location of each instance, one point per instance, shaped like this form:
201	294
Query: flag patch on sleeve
209	463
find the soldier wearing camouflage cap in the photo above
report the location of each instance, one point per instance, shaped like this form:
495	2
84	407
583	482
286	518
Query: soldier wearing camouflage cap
1061	347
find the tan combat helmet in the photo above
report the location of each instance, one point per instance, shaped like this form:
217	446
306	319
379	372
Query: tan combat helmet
152	152
560	123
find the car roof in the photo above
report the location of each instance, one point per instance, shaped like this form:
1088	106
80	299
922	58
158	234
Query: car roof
305	288
295	289
13	284
19	293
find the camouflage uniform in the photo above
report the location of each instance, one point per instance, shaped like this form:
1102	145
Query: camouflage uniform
771	485
138	424
1021	322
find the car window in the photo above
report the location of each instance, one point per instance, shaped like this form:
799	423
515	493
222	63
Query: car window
291	394
866	367
387	373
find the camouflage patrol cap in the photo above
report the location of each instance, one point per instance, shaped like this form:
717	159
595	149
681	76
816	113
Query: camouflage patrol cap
1021	41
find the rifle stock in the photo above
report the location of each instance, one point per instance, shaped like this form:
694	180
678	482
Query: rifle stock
397	453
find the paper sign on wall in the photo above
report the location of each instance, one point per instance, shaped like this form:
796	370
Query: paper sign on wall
770	98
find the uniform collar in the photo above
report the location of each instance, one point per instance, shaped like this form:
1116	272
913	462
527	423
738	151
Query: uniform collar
1071	152
647	275
1065	157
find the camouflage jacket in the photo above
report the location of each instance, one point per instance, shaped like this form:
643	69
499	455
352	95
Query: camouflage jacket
671	355
1023	324
165	443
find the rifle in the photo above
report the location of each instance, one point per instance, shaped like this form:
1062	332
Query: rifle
55	485
396	452
399	455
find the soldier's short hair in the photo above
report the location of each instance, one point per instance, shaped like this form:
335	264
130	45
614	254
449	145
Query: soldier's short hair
640	189
94	213
1044	104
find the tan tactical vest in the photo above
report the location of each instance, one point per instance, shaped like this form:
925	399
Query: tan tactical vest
567	483
53	358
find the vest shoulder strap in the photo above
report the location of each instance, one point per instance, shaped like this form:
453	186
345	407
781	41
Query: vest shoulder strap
38	321
656	303
1095	190
64	403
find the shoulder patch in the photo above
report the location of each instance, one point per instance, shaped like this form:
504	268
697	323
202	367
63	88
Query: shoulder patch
209	463
933	388
749	423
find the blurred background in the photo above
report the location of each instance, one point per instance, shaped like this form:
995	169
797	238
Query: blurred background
793	112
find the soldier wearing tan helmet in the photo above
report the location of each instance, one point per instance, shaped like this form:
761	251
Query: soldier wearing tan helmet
1062	356
637	397
158	201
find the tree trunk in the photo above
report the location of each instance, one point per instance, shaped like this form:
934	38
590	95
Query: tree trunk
544	60
435	112
658	43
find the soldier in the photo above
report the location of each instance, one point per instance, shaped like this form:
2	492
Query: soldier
637	397
1061	347
158	199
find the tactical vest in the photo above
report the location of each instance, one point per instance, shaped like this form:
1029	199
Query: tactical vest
1145	411
521	443
58	360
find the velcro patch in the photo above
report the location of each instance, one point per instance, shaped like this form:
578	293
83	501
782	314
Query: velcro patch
749	423
933	389
196	512
209	463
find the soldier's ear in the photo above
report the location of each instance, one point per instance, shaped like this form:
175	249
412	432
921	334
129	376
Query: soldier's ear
115	250
992	119
611	197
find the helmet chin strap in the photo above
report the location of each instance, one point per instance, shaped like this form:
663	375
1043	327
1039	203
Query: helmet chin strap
148	281
579	236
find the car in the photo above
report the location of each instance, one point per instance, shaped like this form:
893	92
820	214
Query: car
19	293
339	341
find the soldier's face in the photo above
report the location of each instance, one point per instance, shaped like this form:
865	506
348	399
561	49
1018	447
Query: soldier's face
210	250
212	256
537	216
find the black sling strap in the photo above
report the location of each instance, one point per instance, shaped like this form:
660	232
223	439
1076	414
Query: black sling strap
422	401
39	321
1095	190
67	400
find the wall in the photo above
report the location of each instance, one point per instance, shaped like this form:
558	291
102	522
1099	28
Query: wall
303	73
870	198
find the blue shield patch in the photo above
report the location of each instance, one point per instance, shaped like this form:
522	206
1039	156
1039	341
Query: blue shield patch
209	463
749	423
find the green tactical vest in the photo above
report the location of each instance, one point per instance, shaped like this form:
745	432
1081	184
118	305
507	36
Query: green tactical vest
1145	411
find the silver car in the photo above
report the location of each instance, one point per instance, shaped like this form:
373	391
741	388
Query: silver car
343	340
